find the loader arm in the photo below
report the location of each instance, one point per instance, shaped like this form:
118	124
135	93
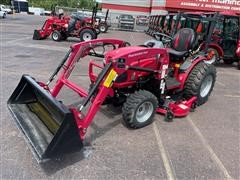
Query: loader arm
50	127
78	51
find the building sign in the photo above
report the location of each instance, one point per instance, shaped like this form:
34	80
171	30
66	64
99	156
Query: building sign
205	5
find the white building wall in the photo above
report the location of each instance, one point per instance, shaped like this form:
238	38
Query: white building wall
157	7
159	2
140	3
114	13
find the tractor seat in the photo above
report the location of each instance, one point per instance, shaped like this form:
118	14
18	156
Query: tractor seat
183	41
78	17
177	54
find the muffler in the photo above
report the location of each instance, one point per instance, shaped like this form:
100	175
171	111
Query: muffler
48	125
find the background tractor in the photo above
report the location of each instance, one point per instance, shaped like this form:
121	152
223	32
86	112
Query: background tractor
60	27
226	37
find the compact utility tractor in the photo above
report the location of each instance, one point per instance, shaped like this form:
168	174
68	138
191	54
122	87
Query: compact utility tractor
142	80
61	27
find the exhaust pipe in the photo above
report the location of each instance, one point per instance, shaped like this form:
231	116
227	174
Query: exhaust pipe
48	125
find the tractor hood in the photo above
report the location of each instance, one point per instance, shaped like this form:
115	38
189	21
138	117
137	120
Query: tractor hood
130	51
130	55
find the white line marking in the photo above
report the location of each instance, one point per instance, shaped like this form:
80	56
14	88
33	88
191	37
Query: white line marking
208	147
163	153
16	24
16	40
131	35
221	84
230	73
46	47
232	96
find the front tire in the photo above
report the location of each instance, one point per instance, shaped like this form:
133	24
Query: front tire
139	109
87	35
56	36
200	82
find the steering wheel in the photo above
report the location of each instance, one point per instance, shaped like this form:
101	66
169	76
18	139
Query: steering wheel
100	50
163	37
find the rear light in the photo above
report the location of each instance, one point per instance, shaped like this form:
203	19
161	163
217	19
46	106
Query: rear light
65	25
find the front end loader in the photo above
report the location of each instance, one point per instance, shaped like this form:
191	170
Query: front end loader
60	27
140	79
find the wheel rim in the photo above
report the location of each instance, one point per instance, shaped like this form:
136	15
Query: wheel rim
87	37
214	58
55	36
206	86
144	112
102	28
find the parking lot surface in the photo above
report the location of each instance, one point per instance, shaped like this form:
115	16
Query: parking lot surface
204	145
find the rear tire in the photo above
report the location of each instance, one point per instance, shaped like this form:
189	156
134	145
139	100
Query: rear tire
103	27
139	109
200	82
64	36
87	35
228	61
56	36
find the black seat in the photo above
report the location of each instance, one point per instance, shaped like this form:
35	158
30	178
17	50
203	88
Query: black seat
183	41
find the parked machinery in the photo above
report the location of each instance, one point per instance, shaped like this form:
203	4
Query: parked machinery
61	27
143	80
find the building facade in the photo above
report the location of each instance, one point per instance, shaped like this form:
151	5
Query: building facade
151	7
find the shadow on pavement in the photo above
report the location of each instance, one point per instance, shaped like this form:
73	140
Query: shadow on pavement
52	166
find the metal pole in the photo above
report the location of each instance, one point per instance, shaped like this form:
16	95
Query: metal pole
18	7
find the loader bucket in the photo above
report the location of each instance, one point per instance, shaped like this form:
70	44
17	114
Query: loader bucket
37	35
48	125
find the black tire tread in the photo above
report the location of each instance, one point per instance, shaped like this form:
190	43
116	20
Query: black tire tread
90	31
228	61
132	103
106	27
194	80
59	35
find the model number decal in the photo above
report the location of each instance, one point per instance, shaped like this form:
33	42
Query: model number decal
137	54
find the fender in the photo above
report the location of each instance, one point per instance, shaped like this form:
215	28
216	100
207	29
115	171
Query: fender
183	76
216	47
89	27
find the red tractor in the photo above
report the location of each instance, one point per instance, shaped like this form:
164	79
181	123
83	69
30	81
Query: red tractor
61	27
162	23
226	38
143	80
224	42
